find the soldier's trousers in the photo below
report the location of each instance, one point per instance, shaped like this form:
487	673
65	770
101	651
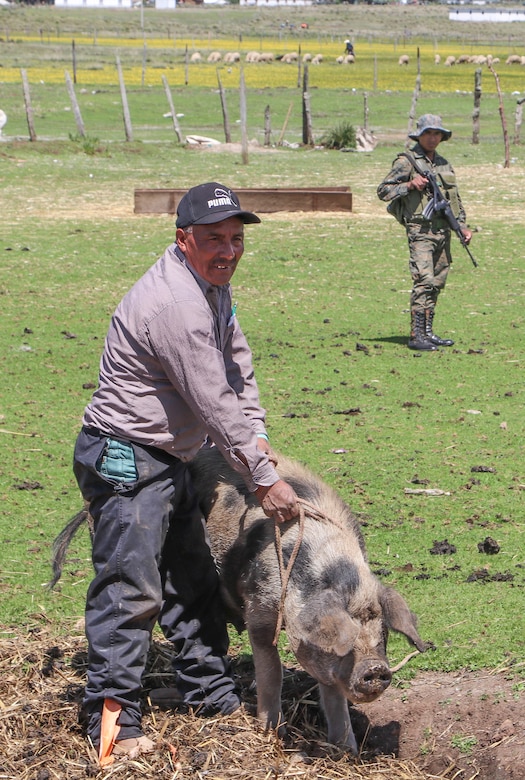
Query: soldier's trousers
429	264
152	563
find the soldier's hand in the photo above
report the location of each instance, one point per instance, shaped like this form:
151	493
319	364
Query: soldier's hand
468	234
278	501
418	183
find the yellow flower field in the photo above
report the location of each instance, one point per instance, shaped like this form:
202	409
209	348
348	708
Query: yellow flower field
376	66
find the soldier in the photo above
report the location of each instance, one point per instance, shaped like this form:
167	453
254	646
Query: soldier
408	195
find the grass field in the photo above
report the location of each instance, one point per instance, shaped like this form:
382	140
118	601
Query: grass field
310	288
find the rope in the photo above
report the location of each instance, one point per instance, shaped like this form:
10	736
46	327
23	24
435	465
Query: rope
305	508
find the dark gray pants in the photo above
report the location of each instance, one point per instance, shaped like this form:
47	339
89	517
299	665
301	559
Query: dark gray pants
152	562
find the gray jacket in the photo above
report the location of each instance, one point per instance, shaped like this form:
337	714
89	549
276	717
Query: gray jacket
176	369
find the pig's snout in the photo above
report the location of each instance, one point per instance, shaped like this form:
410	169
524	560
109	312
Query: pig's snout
371	678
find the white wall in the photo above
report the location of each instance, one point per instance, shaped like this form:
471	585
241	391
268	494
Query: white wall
93	3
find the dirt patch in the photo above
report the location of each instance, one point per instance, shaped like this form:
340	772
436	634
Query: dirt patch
467	725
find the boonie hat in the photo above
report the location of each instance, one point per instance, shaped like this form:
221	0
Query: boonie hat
209	203
430	122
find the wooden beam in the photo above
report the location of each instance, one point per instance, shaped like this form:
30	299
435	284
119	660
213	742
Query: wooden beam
165	201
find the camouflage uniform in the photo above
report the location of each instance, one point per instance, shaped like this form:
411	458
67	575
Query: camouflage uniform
428	239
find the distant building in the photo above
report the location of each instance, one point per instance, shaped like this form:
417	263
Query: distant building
273	3
93	3
488	15
165	5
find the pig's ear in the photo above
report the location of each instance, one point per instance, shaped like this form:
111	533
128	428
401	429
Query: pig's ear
398	617
325	624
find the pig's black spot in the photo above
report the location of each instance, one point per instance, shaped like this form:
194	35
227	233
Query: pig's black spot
230	499
342	576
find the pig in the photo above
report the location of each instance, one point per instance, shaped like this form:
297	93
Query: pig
335	612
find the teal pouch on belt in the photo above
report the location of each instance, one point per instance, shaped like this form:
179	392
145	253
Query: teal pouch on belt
118	461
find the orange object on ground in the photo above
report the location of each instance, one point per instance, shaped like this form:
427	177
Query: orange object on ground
109	730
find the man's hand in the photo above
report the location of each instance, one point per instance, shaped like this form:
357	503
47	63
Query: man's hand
278	501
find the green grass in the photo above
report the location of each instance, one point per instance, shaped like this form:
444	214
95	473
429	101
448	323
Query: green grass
310	288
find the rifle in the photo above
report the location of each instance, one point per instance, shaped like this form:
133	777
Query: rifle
440	204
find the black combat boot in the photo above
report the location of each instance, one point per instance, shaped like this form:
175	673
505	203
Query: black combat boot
431	336
418	339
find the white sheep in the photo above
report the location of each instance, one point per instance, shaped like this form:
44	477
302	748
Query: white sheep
513	59
196	57
404	59
317	59
232	56
437	59
266	56
253	56
451	60
214	56
290	57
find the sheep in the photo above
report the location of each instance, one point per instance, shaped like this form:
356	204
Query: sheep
214	56
404	59
437	59
317	59
513	59
290	57
232	56
196	57
450	61
253	56
307	57
266	56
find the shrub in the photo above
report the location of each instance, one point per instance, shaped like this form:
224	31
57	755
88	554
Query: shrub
340	137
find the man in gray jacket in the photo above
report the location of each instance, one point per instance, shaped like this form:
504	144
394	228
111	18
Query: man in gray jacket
176	372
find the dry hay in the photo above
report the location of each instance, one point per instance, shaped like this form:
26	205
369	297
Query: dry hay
41	684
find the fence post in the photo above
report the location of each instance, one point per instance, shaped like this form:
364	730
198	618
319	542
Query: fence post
225	119
144	59
415	96
74	103
125	109
176	125
518	119
267	126
285	125
506	164
308	138
477	104
74	58
29	107
244	119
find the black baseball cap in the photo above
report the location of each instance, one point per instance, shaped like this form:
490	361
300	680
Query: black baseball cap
209	203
